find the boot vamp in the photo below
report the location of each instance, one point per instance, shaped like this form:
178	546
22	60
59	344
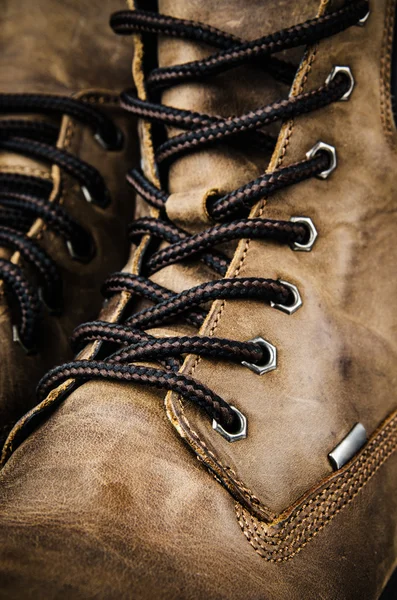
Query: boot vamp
112	504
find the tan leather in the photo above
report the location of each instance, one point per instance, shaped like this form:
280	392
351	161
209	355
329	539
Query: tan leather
67	49
112	500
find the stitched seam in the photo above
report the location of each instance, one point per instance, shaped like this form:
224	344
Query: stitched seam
69	135
30	170
94	98
61	200
323	507
246	492
385	71
39	223
314	531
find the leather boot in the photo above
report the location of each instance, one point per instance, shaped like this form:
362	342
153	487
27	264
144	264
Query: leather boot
232	435
64	147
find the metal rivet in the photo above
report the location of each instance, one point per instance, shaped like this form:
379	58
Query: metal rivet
348	447
308	223
270	365
290	309
323	147
347	71
236	436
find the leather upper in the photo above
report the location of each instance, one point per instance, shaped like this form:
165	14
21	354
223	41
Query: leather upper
70	50
346	327
141	513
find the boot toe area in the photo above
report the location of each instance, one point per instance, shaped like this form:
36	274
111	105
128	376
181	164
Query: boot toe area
105	500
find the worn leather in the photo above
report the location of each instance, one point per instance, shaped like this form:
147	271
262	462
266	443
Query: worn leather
67	49
106	500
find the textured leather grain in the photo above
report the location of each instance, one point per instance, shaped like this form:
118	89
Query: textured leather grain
67	49
111	499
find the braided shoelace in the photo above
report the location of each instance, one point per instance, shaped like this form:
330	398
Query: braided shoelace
25	198
129	340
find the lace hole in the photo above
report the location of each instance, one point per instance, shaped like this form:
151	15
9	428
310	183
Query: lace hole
210	202
312	234
289	309
17	339
53	309
101	199
112	143
238	433
364	19
330	151
269	362
347	72
83	252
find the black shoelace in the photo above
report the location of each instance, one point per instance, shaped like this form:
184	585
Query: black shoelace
129	340
25	198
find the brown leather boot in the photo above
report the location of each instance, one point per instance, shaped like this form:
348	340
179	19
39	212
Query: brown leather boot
273	365
64	147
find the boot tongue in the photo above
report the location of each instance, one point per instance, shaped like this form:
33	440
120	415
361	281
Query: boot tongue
234	92
221	168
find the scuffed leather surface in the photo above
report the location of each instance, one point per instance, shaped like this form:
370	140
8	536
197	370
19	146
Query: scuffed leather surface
69	49
112	504
61	46
104	501
346	328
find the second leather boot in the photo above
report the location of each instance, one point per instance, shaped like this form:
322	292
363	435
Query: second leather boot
64	147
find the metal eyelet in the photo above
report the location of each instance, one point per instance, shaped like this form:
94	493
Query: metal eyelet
84	258
331	151
347	71
271	363
308	223
117	145
102	202
87	194
50	309
17	338
240	434
364	19
289	310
